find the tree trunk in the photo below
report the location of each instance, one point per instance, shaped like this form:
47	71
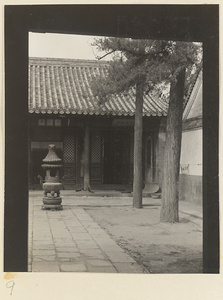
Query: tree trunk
86	159
170	186
137	177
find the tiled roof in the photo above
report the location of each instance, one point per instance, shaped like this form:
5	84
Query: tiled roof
63	86
193	107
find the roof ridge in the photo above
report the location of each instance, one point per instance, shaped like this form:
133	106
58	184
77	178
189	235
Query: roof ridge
65	61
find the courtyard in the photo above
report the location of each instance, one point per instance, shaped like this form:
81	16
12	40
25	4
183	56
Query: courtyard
105	234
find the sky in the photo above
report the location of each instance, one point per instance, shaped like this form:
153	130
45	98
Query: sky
54	45
61	46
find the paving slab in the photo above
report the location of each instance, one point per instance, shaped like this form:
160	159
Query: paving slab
106	269
71	241
44	258
67	249
127	267
89	254
119	257
46	266
98	262
44	252
73	255
73	267
46	246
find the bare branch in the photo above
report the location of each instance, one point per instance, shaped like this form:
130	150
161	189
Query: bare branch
136	54
99	58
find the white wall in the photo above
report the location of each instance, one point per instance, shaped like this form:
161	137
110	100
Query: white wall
191	153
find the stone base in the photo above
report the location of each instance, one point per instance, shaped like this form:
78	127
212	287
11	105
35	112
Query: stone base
52	207
52	200
53	203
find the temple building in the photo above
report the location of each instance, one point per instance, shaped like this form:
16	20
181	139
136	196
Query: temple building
62	110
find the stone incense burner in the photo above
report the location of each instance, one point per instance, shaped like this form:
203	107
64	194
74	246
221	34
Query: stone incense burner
52	186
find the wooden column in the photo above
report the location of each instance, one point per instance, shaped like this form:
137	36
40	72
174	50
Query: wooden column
78	158
137	180
86	158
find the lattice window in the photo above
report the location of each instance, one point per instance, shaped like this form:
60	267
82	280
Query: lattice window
69	151
47	134
96	148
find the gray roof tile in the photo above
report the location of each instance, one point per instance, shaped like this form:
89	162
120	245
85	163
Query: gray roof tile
63	86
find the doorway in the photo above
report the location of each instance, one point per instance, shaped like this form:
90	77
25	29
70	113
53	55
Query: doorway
109	150
117	156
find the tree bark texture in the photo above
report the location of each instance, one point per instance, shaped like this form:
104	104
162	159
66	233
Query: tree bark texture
86	159
137	178
171	168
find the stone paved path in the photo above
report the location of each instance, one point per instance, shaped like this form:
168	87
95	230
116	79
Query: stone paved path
70	241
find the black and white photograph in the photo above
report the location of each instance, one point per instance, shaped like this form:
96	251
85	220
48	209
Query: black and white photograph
105	128
111	140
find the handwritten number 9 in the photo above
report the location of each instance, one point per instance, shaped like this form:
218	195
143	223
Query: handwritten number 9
10	285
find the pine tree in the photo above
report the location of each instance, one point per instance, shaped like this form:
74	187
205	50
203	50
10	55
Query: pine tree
142	64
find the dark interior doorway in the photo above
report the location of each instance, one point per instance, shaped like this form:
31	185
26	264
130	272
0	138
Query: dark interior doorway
108	166
117	156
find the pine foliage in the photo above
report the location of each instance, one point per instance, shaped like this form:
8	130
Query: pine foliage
151	66
156	62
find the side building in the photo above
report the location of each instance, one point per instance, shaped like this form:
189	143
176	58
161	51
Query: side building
191	168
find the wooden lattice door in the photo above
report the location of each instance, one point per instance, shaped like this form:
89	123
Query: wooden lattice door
69	159
96	161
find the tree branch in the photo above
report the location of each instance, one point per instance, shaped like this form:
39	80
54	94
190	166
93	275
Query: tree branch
100	57
145	55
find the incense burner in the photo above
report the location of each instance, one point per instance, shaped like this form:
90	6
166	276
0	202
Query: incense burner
52	185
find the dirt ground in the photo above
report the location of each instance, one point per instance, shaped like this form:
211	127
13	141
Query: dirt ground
159	247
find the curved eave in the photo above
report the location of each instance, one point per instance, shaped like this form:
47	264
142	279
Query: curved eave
58	86
94	113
